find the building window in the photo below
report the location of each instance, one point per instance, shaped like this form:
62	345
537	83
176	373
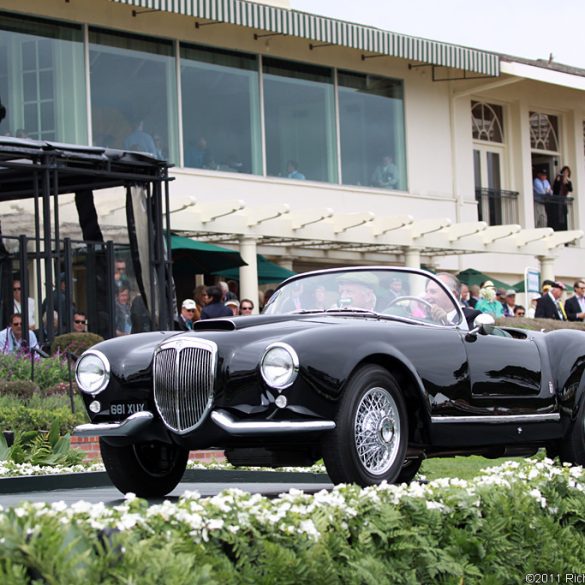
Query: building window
299	121
42	80
371	120
220	110
487	122
133	94
544	132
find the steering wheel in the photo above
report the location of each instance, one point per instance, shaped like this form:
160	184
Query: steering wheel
420	300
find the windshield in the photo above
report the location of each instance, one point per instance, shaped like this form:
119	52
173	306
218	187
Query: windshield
389	291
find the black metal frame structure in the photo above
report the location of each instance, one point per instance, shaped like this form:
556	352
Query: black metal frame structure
46	170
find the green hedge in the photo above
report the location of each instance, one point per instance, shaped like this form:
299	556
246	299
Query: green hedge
514	521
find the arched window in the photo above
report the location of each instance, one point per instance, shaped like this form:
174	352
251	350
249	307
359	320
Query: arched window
544	132
487	122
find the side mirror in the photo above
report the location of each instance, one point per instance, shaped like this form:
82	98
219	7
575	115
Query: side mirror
483	324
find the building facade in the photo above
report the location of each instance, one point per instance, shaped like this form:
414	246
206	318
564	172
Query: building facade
311	141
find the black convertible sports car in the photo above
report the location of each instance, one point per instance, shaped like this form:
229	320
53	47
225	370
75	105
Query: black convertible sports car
371	369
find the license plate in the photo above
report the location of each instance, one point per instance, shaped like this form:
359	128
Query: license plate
126	408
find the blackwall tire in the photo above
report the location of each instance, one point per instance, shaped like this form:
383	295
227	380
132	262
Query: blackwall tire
150	470
408	471
572	448
368	444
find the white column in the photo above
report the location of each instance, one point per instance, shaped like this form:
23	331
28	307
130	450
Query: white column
249	273
412	257
547	267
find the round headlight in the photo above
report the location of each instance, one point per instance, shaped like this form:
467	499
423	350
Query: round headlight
92	372
279	366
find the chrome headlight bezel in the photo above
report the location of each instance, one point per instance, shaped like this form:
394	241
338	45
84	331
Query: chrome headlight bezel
93	354
289	360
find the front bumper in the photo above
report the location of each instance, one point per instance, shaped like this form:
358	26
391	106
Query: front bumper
138	422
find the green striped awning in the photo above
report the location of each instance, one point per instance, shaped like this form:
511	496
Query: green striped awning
328	30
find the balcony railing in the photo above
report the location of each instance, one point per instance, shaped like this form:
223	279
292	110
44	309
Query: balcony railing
559	212
497	206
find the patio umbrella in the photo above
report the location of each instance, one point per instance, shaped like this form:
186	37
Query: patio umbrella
268	272
472	276
202	258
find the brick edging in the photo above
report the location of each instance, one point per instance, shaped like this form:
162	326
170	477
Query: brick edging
90	447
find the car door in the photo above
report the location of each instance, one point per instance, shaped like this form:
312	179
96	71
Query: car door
505	373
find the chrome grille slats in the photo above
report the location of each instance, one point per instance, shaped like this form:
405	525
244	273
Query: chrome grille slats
184	374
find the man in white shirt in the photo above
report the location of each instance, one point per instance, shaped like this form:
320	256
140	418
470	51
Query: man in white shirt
16	293
11	340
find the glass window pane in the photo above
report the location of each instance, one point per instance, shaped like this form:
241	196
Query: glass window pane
29	86
371	118
299	112
221	120
140	114
39	60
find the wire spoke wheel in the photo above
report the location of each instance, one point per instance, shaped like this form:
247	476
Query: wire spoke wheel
368	444
377	430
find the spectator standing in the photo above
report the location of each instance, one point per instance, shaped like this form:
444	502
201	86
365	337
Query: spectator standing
200	297
531	310
549	305
140	141
386	174
215	308
519	311
188	316
30	304
234	306
542	190
120	276
465	295
60	302
488	302
226	293
575	306
510	303
246	307
11	339
293	172
79	322
474	295
123	316
562	187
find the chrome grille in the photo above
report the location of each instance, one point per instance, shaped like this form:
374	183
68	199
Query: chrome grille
183	382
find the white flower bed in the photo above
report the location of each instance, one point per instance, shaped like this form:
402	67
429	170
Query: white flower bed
11	469
297	513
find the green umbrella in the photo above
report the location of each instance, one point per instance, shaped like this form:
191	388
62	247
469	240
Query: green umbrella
202	258
268	272
472	276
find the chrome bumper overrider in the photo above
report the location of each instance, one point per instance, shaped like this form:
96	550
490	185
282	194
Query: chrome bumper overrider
229	424
125	428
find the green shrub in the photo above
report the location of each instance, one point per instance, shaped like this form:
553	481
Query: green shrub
40	448
45	372
75	343
20	418
23	389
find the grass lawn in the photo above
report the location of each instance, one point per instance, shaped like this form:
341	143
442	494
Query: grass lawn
461	467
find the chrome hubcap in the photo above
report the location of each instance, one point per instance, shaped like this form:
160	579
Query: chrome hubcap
377	431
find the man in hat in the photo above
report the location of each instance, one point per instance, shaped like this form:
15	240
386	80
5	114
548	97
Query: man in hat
549	305
357	290
542	190
188	315
510	303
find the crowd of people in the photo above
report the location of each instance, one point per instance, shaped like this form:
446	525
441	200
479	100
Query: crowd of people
210	302
548	304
